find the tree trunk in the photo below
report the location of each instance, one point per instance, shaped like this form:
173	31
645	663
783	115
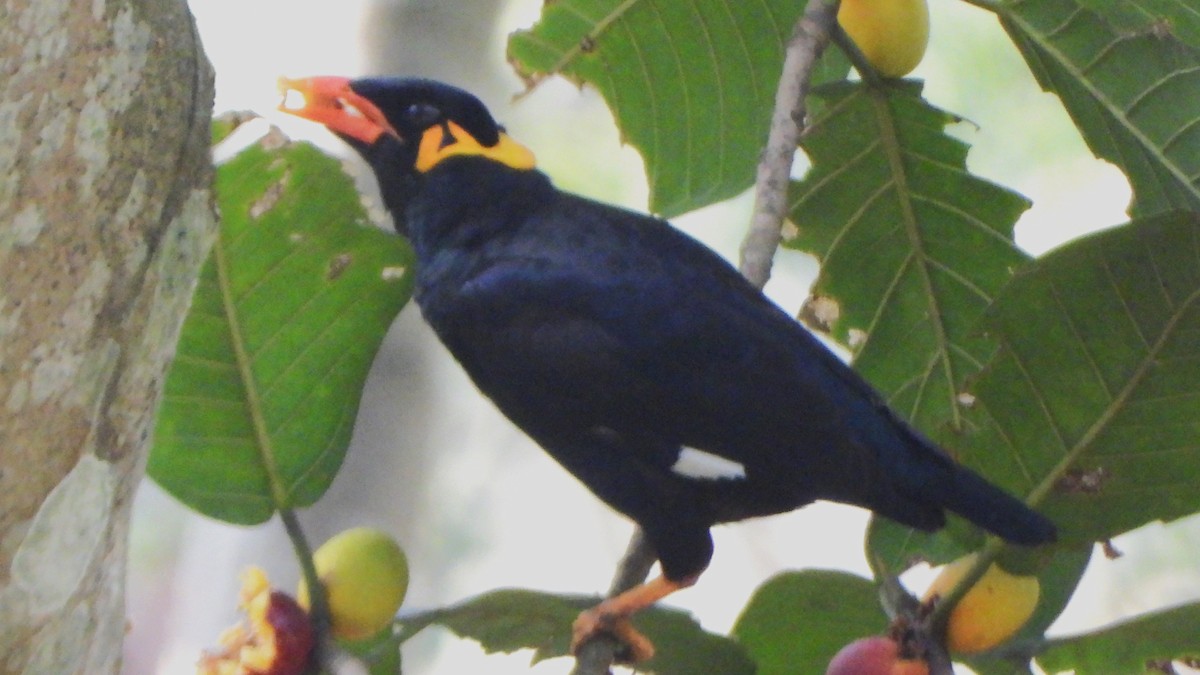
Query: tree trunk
105	219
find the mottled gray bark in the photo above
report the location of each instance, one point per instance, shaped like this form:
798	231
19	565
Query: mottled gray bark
105	218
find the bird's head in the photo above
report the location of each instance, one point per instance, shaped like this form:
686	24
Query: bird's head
403	127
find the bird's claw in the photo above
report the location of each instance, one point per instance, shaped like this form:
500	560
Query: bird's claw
596	621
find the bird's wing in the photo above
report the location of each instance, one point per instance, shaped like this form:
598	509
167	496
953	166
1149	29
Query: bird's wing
619	314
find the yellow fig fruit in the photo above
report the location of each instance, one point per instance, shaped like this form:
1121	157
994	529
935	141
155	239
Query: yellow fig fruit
366	576
991	612
892	34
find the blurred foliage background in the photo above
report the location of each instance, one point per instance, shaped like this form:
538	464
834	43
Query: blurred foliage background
474	503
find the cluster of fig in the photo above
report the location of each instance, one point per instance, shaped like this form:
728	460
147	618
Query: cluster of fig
990	613
365	575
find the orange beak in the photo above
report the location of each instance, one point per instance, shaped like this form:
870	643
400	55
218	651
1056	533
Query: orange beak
331	101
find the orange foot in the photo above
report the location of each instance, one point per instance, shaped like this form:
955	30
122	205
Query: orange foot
596	621
612	617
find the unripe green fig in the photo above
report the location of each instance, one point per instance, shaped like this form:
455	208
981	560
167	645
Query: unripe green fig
366	576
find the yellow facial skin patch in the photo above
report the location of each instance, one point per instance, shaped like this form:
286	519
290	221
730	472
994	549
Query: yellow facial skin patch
434	148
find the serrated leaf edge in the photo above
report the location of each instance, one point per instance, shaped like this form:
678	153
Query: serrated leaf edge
598	28
1007	15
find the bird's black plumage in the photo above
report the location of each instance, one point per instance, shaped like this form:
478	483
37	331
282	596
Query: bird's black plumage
616	342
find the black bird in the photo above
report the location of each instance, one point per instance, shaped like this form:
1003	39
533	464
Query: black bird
638	358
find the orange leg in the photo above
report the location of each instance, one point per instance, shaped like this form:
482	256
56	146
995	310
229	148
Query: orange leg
612	616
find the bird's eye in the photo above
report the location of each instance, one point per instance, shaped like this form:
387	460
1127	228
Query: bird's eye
422	114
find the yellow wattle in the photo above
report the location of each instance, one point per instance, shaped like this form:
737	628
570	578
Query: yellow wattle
892	34
434	148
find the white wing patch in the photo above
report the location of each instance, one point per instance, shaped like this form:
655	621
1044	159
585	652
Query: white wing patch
701	465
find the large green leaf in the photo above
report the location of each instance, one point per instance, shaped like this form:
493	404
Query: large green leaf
1175	18
913	247
1133	90
288	314
896	547
797	621
1090	406
509	620
380	654
1163	18
691	84
1129	646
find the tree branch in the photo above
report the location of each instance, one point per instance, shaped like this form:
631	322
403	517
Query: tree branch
596	655
809	39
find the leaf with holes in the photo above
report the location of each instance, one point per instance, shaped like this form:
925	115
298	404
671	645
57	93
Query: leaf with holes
691	84
1132	86
913	247
1091	400
289	311
1163	18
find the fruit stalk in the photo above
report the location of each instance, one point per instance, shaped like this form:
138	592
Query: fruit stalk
940	617
319	607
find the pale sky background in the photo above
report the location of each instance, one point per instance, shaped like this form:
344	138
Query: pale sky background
493	510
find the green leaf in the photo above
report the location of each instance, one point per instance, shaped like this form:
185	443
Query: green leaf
1162	18
509	620
228	122
913	248
1004	668
691	84
797	621
684	648
1127	647
380	654
899	547
1133	91
288	314
1090	404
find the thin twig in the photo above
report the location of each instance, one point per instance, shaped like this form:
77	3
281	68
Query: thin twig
940	617
938	661
808	40
909	614
597	654
857	59
317	598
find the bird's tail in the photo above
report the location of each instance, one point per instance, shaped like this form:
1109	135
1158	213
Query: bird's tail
966	493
